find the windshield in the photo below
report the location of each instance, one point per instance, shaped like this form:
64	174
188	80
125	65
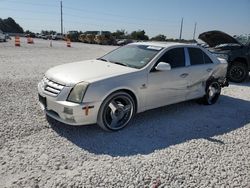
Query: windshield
243	39
135	56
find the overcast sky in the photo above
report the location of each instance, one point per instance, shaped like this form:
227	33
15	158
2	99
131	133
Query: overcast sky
154	16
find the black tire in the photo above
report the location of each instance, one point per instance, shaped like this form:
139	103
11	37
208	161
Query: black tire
116	111
213	90
237	72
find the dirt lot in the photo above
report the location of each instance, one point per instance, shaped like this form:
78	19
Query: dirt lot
182	145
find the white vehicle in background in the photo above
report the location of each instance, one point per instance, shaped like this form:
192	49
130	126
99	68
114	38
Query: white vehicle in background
129	80
57	36
2	36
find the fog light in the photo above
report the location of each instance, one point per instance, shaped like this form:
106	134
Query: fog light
68	110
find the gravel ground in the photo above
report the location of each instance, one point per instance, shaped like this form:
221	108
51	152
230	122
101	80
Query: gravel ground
182	145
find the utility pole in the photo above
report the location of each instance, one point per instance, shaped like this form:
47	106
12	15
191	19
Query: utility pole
194	30
61	19
181	28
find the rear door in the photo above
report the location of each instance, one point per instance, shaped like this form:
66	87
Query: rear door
167	87
200	69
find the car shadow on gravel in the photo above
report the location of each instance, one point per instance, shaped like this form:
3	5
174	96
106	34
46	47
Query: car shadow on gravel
160	128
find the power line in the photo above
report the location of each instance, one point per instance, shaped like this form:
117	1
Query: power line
107	19
23	10
32	4
91	11
83	17
114	16
170	22
36	19
118	15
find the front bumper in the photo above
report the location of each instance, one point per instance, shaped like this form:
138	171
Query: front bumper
68	112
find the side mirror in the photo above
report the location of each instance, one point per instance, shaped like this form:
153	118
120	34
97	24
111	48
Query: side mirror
162	66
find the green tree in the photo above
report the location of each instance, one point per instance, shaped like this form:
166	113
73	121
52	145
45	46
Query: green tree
159	38
46	32
120	34
30	33
10	26
139	35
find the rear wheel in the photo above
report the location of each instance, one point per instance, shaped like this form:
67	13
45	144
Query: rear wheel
237	72
213	90
116	111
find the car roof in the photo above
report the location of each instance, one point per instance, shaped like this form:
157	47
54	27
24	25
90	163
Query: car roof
163	44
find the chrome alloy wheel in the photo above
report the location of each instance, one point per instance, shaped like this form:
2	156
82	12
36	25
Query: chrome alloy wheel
117	111
213	92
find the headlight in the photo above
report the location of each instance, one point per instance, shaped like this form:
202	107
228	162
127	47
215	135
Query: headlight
223	56
77	93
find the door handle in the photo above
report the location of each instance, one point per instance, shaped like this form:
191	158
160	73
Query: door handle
184	75
209	69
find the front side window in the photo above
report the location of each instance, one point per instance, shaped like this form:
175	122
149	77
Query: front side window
198	57
175	57
135	56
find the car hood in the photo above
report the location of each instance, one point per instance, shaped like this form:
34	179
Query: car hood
215	38
87	71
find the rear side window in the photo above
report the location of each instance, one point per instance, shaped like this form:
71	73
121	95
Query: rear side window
198	57
175	57
207	59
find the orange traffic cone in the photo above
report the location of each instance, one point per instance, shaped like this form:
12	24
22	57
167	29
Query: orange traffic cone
17	41
68	43
30	40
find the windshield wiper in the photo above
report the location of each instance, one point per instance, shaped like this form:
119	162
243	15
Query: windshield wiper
119	63
102	59
115	62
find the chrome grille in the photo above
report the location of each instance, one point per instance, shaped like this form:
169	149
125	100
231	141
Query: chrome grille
50	87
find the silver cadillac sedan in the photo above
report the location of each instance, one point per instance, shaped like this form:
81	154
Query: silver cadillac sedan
129	80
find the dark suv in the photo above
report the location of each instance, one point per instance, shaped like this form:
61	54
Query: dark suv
237	54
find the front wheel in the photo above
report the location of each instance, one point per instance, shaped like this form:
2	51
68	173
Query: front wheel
213	91
116	111
237	72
